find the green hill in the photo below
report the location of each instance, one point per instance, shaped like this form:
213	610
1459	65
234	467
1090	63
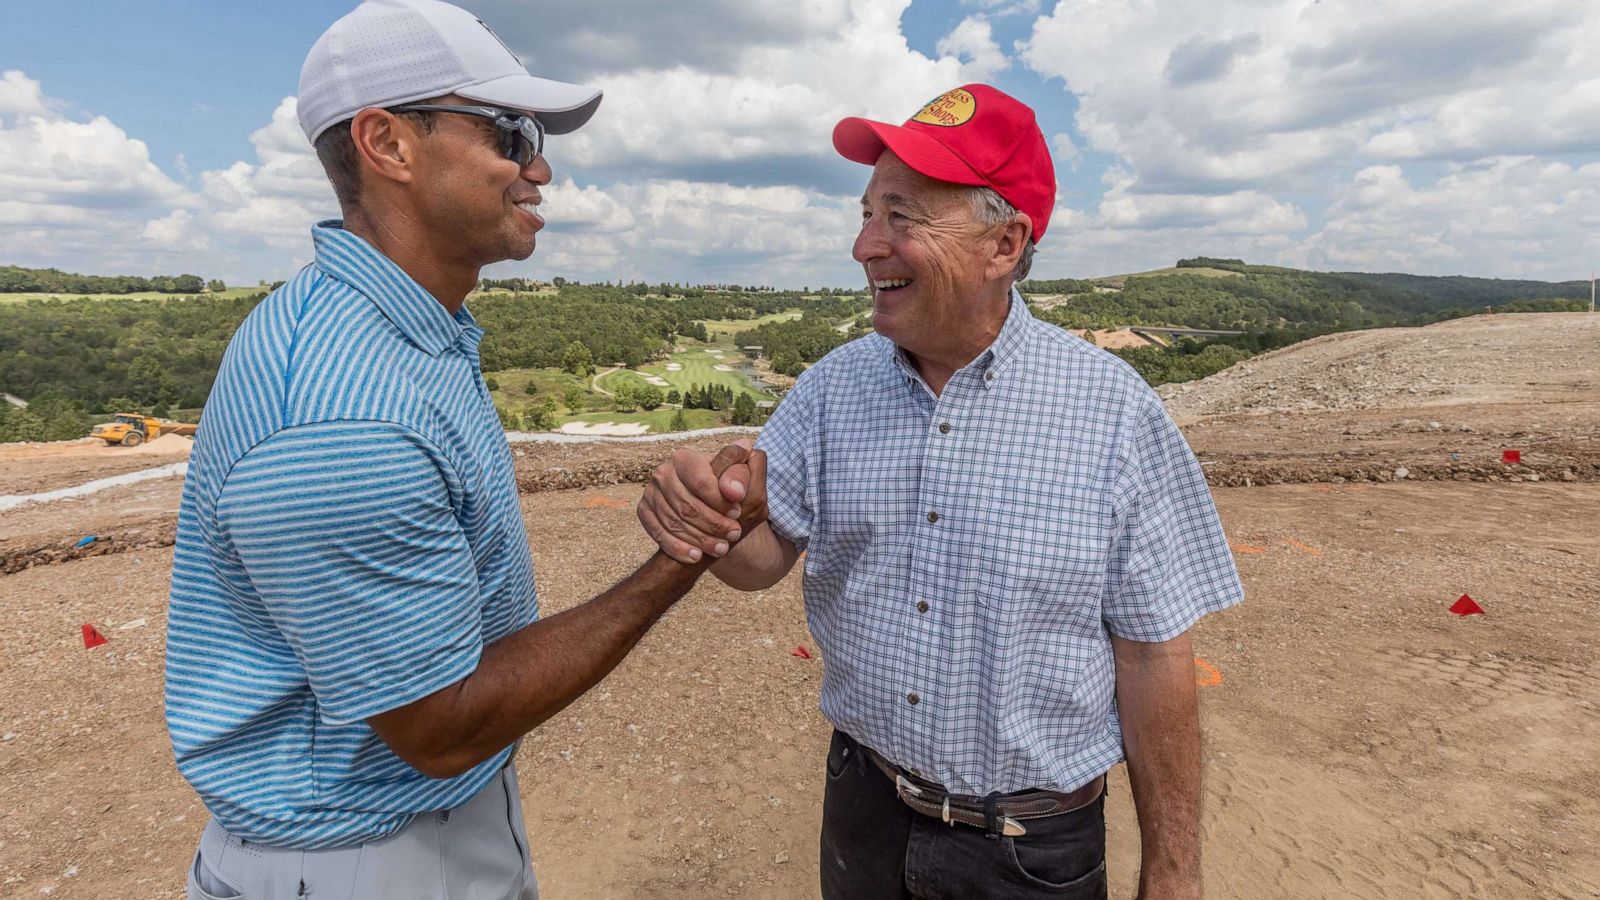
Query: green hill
1200	293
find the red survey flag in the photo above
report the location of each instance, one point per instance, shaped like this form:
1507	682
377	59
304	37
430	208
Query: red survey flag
92	637
1466	606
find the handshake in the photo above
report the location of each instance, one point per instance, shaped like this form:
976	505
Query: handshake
698	506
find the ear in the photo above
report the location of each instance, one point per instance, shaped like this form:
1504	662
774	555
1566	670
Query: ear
386	145
1009	242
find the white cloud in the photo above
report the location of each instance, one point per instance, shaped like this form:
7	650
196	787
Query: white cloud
1064	151
1514	216
577	41
279	196
763	105
998	8
171	232
1241	212
55	161
20	95
568	207
972	41
1290	132
1204	95
74	193
676	230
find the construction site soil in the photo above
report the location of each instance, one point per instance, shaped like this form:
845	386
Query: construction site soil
1361	741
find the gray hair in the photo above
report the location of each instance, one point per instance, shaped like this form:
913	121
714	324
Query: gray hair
993	211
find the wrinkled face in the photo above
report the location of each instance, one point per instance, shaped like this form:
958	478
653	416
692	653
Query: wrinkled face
474	199
924	252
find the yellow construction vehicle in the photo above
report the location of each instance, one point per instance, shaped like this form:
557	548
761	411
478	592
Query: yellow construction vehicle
133	429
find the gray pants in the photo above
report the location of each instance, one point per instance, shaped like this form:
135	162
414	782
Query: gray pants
477	851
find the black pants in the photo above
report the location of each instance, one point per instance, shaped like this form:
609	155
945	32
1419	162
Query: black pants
874	847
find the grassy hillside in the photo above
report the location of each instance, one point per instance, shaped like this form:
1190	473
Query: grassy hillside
1231	294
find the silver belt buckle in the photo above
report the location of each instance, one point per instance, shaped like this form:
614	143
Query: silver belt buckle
903	787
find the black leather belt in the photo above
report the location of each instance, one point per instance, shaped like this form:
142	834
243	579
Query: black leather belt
1011	810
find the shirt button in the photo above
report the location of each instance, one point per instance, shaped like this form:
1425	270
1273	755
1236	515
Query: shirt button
944	427
913	699
922	606
988	376
933	517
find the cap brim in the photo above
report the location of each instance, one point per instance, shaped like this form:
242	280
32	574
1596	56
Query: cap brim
562	107
863	141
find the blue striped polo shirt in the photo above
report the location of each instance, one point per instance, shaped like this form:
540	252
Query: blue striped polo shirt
349	540
970	554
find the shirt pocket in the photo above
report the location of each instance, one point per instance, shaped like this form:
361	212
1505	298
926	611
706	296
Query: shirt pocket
1050	546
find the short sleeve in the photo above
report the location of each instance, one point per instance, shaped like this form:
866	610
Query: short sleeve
787	439
348	534
1170	562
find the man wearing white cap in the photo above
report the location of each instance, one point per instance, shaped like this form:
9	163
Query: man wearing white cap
354	642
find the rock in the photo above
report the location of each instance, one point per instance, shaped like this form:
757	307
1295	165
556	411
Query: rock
1401	473
781	858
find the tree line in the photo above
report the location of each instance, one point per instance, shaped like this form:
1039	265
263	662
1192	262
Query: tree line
18	280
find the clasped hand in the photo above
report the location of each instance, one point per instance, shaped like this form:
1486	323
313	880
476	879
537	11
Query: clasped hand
699	505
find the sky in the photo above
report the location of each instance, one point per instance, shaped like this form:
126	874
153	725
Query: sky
1428	136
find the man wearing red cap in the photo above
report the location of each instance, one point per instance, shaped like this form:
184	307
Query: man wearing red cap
1006	543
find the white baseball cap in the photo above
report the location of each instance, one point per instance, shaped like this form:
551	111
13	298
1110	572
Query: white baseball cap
388	52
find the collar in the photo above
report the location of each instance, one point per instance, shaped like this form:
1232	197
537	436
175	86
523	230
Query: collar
418	314
995	358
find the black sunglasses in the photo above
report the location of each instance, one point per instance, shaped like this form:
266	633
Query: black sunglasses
521	135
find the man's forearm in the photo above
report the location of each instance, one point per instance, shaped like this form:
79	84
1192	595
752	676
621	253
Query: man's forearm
532	674
1161	734
757	562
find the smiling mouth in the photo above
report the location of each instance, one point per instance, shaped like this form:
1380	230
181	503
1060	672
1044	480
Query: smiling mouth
889	285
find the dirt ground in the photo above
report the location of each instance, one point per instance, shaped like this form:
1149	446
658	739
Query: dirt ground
1361	741
1548	357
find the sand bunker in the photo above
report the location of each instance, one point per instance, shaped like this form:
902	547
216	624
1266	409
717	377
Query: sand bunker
605	429
657	380
722	368
674	367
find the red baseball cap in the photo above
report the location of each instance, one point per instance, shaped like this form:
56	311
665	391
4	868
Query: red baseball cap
975	135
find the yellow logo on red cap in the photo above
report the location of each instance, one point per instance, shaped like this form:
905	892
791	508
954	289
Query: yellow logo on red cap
950	108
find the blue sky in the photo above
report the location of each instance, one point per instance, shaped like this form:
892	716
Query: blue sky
1449	137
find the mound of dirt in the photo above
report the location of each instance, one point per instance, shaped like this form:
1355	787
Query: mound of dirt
167	444
1522	358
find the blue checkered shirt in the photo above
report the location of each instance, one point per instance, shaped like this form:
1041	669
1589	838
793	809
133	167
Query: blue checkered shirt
969	555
